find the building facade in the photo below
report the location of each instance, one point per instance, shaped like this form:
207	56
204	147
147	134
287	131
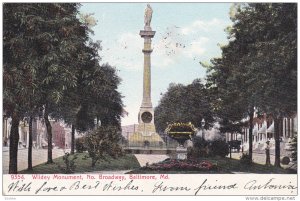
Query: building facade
263	131
61	134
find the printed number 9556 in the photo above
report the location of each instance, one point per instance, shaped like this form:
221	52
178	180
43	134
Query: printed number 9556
17	176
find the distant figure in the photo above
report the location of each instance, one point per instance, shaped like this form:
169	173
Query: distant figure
148	15
5	141
268	161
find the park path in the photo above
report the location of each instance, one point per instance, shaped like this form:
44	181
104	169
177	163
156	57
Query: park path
149	158
142	159
39	156
257	157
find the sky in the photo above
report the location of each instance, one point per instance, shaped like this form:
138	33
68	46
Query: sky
186	34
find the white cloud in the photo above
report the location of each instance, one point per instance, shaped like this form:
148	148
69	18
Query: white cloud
200	25
196	48
170	46
124	52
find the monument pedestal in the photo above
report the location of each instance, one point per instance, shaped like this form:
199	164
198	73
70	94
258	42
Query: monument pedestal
181	152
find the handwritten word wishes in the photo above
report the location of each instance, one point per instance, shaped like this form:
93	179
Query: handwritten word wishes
156	184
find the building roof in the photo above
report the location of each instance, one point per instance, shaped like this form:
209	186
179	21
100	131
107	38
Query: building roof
271	128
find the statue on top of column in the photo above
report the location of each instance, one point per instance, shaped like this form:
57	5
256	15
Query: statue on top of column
148	15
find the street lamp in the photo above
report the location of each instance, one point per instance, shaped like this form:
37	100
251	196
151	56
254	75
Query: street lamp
202	126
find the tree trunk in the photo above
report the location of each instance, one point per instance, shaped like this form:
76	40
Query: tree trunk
277	130
49	133
230	148
13	144
73	139
251	114
30	144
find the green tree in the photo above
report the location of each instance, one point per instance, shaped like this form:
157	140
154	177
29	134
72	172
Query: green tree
94	95
261	52
18	72
47	35
276	62
228	104
271	60
69	107
234	98
59	59
181	103
50	65
39	42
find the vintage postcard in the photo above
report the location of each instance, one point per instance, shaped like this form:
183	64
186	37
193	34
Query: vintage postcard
194	99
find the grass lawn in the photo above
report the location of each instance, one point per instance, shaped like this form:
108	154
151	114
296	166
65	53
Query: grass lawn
83	164
226	166
234	165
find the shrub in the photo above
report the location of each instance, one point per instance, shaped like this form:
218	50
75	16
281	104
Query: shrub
202	148
80	145
69	161
199	149
102	142
219	148
178	165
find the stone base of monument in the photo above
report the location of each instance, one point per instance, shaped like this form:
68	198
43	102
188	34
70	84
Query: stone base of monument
181	153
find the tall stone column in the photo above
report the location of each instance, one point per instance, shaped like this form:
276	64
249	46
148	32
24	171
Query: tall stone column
146	114
147	50
147	73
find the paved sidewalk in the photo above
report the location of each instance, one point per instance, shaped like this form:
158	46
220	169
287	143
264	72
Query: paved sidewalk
39	156
257	157
148	158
